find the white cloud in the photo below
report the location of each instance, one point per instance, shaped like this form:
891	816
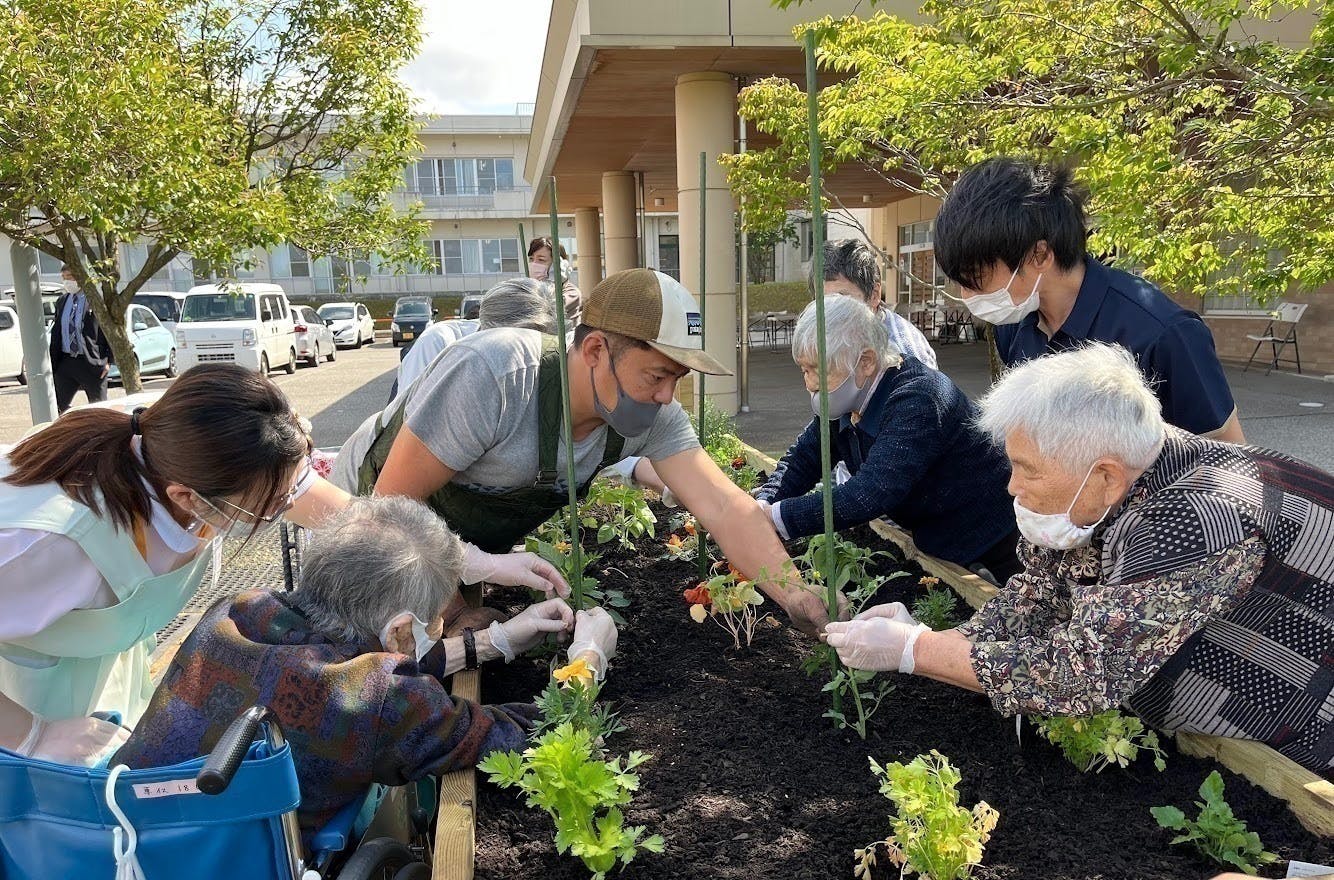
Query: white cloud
478	56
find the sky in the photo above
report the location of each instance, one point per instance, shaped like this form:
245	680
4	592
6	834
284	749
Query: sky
478	56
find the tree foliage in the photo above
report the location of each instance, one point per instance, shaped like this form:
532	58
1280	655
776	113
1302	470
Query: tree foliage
208	127
1209	150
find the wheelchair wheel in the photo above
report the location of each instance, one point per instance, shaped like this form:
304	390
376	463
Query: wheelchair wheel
381	859
418	871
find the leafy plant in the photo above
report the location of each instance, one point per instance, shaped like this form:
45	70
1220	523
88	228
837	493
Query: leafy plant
1098	741
729	600
564	774
684	546
573	700
932	835
937	608
724	446
852	578
617	513
1217	833
561	555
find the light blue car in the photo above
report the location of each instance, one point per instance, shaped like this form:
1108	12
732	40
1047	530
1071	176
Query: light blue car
154	345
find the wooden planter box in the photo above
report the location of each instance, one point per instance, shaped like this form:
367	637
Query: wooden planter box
1310	798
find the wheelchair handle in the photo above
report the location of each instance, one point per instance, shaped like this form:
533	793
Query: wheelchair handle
222	763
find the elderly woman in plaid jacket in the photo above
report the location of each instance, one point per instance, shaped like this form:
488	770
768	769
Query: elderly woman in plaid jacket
1188	580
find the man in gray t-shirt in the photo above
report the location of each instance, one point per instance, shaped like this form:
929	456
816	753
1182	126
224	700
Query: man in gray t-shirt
476	441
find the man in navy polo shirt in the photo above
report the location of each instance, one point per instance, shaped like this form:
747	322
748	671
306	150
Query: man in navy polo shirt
1013	234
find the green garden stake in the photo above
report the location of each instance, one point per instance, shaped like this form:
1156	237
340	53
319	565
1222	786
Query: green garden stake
817	277
567	420
702	545
523	252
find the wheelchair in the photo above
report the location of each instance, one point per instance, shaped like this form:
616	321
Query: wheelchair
229	814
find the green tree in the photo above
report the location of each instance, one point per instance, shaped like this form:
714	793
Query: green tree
1209	151
207	127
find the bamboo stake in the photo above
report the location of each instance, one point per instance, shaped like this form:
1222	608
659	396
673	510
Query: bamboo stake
567	418
817	276
523	252
702	544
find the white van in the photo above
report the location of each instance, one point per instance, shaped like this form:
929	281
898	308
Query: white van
11	345
165	306
246	324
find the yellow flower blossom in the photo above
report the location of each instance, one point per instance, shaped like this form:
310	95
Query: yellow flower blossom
576	670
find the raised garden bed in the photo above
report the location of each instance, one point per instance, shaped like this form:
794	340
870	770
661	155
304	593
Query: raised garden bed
748	781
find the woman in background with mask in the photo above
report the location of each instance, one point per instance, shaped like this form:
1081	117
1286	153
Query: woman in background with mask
540	258
108	521
1184	578
904	444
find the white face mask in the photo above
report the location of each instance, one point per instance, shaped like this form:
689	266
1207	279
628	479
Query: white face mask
538	271
998	306
70	285
1056	531
422	643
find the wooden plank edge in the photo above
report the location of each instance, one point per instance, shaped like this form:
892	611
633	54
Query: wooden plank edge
456	820
1309	797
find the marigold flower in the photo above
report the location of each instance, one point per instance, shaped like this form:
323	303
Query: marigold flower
674	541
577	670
562	546
929	581
698	594
738	463
690	527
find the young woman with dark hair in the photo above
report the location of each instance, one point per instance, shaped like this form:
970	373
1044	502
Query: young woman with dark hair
540	257
108	521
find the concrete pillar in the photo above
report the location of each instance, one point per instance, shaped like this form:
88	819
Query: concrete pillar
705	120
619	207
588	239
33	333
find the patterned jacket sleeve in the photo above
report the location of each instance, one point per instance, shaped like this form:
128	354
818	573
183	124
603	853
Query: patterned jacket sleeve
1115	638
423	730
1027	604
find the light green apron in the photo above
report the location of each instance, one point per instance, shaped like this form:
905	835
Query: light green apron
94	659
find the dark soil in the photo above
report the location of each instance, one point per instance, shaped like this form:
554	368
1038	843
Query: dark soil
748	781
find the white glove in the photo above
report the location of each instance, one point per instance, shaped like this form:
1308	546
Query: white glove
512	570
526	629
894	611
669	498
594	631
78	741
771	511
879	644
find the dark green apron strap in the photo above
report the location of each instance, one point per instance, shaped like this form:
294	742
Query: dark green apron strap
549	416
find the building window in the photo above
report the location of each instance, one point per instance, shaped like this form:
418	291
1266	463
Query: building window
49	265
474	256
919	233
299	260
460	177
806	235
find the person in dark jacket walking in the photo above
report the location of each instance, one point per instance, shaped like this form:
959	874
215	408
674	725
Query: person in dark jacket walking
904	447
80	353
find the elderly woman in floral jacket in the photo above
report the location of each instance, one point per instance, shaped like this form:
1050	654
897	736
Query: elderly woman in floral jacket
1188	580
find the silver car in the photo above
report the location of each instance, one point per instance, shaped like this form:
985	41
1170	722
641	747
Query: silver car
314	339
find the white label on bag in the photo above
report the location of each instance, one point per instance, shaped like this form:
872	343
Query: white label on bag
167	788
1306	869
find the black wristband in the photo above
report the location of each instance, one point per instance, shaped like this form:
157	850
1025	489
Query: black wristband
469	649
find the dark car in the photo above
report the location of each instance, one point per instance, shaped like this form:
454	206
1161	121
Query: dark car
411	318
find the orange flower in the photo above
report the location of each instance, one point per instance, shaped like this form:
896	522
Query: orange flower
562	546
674	541
738	463
736	573
577	670
698	594
690	527
929	581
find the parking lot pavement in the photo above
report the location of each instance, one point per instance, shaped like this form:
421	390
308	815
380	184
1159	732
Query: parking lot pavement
336	397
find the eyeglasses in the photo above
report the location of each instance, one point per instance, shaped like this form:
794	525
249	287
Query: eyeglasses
288	500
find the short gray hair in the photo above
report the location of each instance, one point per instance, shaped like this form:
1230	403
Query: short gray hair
850	329
1077	407
377	557
518	302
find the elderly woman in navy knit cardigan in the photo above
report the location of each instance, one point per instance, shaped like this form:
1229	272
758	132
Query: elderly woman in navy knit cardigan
904	447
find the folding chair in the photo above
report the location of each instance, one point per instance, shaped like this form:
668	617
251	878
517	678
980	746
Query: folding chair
1286	313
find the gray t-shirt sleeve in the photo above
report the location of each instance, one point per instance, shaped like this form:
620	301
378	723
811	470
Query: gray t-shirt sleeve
456	408
671	433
